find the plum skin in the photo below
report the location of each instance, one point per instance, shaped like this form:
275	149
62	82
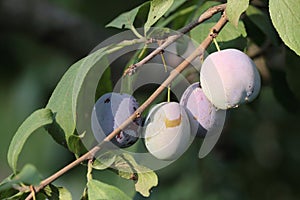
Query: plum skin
203	115
109	112
167	131
229	78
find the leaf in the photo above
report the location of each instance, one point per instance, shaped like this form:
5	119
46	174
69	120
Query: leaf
285	17
5	188
104	161
15	196
36	120
157	9
176	4
230	36
28	175
57	193
60	103
146	180
105	84
125	20
98	190
67	94
263	22
92	67
129	169
234	9
75	143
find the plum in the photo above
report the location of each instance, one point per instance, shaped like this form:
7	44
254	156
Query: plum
203	115
229	78
109	112
167	131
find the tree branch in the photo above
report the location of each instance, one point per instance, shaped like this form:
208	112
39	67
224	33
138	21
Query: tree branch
198	52
206	15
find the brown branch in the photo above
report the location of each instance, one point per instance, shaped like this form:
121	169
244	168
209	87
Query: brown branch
198	52
206	15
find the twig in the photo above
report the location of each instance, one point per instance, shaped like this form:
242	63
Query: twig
206	15
198	52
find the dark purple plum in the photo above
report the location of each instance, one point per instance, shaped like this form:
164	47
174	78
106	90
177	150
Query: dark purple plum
109	112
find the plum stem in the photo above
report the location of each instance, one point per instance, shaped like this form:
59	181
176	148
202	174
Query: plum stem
166	70
169	93
173	74
216	44
90	169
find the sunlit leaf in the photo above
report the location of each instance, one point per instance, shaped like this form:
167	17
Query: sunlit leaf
230	36
157	9
125	20
234	9
129	169
285	17
104	161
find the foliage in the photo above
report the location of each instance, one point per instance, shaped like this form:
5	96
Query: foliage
59	117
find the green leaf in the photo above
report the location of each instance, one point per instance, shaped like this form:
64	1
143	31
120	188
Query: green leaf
263	22
105	84
285	17
129	169
157	9
234	9
60	103
230	36
5	188
57	193
92	66
28	175
125	20
68	93
98	190
13	196
104	161
36	120
75	143
176	4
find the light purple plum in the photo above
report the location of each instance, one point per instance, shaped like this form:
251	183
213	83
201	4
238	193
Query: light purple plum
203	115
109	112
229	78
167	131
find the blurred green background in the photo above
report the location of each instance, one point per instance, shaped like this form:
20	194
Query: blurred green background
257	156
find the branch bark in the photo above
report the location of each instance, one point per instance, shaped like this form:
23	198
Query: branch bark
206	15
198	52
